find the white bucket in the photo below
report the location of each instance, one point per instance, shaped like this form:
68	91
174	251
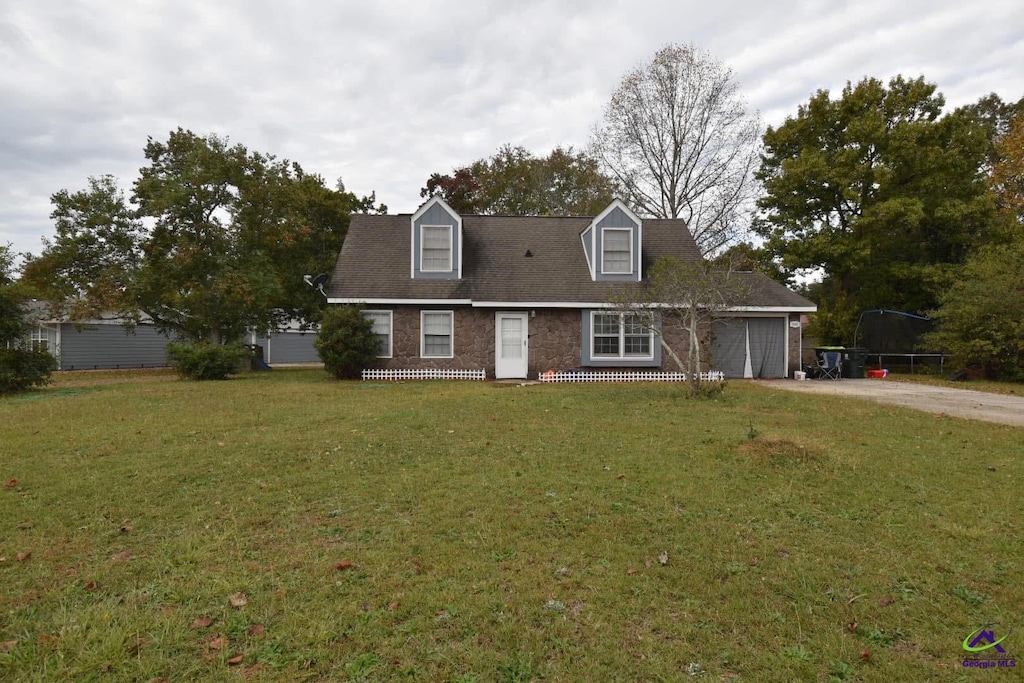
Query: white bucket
799	375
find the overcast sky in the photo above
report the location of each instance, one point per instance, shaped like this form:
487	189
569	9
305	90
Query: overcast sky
381	94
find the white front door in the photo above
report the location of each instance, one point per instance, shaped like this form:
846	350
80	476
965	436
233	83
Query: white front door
511	345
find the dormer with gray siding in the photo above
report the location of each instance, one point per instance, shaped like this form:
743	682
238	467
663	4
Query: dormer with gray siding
436	242
612	244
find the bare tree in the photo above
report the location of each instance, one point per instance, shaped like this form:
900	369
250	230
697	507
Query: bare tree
682	298
679	140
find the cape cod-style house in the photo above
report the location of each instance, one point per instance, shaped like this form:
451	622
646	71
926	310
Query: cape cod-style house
518	296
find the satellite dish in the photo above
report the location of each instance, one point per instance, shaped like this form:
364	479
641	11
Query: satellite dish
319	281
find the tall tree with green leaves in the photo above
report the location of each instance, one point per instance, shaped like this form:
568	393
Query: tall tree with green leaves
981	314
214	241
877	191
514	182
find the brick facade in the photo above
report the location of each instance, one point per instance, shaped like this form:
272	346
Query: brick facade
555	341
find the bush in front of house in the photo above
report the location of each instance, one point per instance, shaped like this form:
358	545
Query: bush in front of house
346	343
22	369
203	361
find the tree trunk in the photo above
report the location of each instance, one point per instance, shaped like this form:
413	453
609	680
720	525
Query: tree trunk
672	354
694	355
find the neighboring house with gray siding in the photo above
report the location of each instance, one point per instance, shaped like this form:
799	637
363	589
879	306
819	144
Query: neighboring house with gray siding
517	296
290	345
107	344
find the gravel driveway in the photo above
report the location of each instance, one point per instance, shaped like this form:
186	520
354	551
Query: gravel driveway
975	405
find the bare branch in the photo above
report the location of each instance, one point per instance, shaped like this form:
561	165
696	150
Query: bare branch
678	138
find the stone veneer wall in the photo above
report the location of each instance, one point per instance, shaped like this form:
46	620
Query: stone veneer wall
473	342
555	341
795	361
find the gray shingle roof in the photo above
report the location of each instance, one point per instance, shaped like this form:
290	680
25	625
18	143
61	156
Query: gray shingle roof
374	261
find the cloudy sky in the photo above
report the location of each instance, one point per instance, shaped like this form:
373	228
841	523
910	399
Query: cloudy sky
381	94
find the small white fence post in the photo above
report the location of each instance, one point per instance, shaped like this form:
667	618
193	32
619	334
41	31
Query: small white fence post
624	376
424	373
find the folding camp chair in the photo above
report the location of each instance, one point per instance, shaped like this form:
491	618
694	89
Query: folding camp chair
830	365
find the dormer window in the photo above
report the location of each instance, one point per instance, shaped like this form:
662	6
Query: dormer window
436	242
436	245
617	251
613	244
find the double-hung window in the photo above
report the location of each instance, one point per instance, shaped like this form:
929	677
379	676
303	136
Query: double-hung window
617	251
436	248
381	330
40	339
620	335
436	337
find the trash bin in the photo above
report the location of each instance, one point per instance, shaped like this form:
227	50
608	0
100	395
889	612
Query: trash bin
854	361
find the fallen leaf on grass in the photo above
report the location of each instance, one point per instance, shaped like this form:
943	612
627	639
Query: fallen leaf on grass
865	655
393	606
7	645
238	599
257	629
122	556
886	601
201	622
663	558
161	679
621	476
11	483
22	557
218	642
91	586
235	661
852	627
126	527
630	571
343	565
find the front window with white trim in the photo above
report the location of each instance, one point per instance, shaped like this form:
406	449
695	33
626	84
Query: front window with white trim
621	335
437	332
382	325
436	248
39	339
617	251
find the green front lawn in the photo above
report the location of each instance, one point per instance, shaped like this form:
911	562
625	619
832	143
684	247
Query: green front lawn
986	385
287	527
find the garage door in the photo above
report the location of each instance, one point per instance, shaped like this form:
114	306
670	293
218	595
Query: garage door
749	347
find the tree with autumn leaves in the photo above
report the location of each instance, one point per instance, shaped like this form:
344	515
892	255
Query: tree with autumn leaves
515	182
981	314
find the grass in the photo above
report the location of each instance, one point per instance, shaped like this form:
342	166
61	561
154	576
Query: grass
286	527
988	386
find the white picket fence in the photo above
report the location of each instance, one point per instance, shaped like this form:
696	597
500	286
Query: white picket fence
425	373
625	376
